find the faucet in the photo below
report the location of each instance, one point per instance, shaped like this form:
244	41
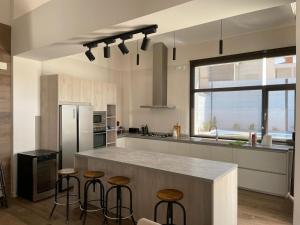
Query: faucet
217	134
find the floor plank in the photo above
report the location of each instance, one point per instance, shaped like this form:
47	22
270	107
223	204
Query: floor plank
254	209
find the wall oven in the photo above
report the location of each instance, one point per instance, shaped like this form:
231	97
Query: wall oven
99	124
99	139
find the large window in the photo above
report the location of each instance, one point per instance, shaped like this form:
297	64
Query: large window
233	95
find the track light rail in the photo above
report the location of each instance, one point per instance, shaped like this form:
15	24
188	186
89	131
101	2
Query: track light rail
123	36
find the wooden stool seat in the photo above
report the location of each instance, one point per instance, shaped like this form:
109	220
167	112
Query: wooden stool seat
118	180
67	171
93	174
169	195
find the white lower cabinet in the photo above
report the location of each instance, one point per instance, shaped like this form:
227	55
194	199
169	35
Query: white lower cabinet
202	153
265	182
177	148
262	171
267	161
222	154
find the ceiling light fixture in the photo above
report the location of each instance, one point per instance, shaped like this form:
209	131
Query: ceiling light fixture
123	36
123	48
145	43
137	53
90	55
174	49
146	40
221	39
106	49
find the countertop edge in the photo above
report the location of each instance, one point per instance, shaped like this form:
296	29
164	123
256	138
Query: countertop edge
235	166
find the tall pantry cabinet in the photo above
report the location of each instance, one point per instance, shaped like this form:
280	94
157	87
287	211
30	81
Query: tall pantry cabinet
61	89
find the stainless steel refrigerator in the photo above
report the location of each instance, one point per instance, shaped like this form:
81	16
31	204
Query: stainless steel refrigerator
76	132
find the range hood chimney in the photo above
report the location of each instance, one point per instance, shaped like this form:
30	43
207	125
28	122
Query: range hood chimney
160	78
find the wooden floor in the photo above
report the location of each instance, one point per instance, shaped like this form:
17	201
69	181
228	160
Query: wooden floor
254	209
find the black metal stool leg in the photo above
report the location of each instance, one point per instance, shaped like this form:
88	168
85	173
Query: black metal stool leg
68	198
119	197
170	213
183	210
130	206
119	205
106	204
155	209
55	199
85	201
102	201
84	207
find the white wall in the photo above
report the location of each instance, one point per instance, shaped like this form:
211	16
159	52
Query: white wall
297	154
26	106
138	85
5	12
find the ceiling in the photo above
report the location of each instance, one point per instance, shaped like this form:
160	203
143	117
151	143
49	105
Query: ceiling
188	15
22	7
268	19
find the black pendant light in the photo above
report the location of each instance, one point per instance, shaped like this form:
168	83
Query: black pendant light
221	39
174	49
137	53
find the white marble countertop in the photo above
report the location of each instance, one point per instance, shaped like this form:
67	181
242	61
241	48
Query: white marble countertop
203	169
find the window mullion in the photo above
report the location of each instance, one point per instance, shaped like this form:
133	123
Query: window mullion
264	116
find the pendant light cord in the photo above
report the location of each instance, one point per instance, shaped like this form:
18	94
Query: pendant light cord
221	30
174	39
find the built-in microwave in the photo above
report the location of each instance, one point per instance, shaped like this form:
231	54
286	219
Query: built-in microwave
99	117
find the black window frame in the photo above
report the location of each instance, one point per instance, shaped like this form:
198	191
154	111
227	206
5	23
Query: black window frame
264	88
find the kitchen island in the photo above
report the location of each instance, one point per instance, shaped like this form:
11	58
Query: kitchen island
209	187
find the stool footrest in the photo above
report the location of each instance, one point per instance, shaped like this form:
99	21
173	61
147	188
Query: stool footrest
116	218
97	208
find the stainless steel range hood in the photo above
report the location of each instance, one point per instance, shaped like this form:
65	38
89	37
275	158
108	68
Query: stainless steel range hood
160	78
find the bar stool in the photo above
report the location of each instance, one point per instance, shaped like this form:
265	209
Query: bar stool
93	178
66	174
119	183
171	197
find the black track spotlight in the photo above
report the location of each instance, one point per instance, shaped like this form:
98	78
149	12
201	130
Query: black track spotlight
145	43
123	48
174	49
90	55
221	38
106	49
137	54
122	45
106	52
